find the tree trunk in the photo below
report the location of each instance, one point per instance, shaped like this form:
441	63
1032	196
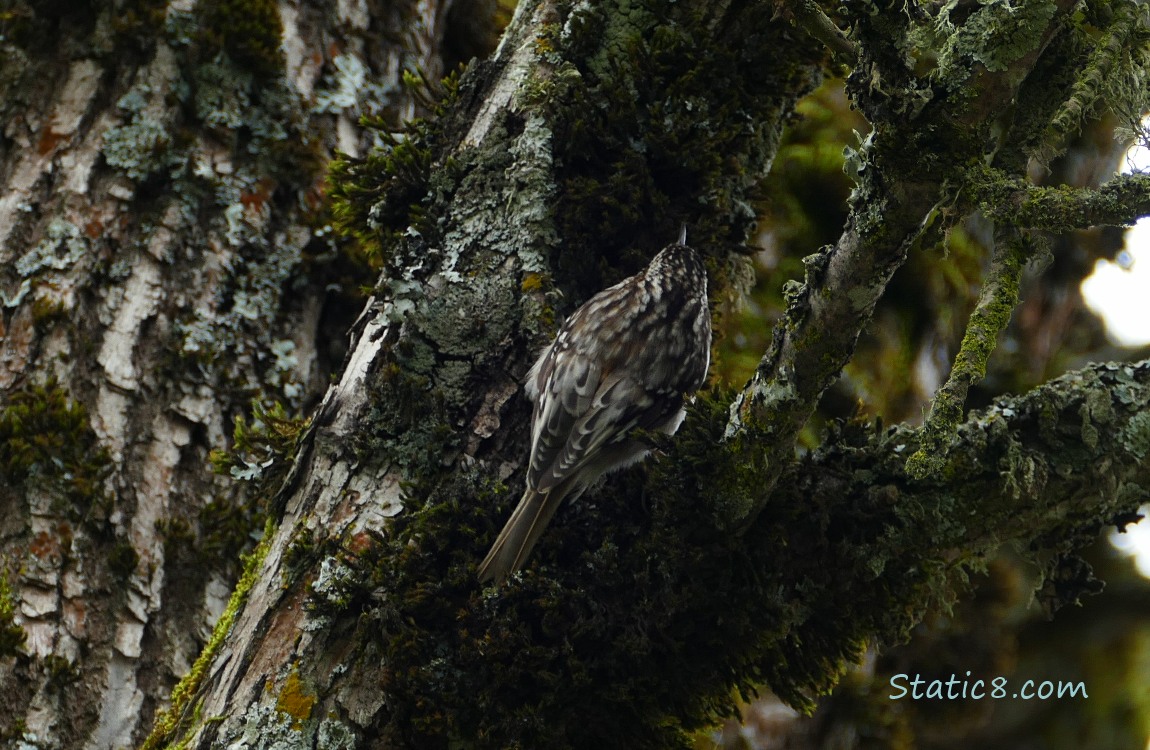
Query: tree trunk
162	269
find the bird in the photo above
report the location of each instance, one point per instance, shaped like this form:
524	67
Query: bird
626	360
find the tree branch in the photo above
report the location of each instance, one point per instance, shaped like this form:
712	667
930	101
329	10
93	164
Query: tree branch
1063	457
1097	80
1120	202
891	206
811	18
991	314
866	549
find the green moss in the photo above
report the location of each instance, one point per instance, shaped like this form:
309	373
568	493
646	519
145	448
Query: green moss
174	725
45	437
302	555
989	319
1109	78
261	454
628	124
467	663
178	536
60	672
136	22
12	636
262	449
47	310
10	733
123	559
374	200
476	663
227	524
622	154
485	663
249	31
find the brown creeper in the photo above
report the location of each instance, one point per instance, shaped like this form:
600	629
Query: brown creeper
625	360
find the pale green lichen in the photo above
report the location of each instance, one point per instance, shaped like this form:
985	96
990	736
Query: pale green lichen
1135	436
1114	76
996	35
1097	414
139	148
264	727
60	235
222	94
333	582
333	735
350	88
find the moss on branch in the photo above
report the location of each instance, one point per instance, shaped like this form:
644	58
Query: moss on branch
12	635
46	437
248	30
1097	82
928	130
1119	202
996	303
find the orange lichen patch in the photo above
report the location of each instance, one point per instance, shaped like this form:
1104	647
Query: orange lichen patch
259	196
44	546
94	229
49	140
295	700
531	282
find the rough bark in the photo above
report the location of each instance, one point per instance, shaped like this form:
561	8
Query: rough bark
160	268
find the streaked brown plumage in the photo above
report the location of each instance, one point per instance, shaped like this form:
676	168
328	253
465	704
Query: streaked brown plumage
626	360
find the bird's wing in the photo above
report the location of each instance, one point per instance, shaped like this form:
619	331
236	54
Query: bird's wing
566	382
619	405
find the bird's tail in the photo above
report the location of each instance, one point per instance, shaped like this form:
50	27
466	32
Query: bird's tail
519	535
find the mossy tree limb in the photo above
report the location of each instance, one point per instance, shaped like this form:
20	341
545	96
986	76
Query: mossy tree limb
1034	467
996	302
1102	81
874	547
925	130
1121	201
